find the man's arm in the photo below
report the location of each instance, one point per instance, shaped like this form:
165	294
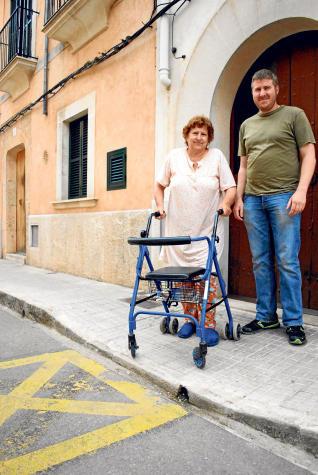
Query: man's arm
241	182
297	201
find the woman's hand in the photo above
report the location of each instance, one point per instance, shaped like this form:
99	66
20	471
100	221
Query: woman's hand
226	209
162	213
228	200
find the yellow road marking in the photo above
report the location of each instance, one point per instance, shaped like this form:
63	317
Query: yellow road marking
144	413
119	409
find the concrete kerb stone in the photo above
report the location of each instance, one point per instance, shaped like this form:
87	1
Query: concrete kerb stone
305	439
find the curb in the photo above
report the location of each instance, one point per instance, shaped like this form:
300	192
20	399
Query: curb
287	433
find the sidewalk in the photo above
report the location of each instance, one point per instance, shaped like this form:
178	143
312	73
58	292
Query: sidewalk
260	380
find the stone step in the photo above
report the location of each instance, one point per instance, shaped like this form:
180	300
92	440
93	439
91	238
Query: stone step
16	257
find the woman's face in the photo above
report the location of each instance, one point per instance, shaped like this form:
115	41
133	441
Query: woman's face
197	138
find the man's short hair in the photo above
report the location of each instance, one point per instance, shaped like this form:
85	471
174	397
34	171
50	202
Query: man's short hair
265	74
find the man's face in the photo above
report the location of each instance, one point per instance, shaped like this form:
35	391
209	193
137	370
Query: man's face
264	94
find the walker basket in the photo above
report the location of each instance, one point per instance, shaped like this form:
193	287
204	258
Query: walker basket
164	290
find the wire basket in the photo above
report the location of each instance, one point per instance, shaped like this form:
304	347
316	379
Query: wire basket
191	292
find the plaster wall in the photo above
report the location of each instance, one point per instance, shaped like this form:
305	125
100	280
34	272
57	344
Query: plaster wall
119	95
124	90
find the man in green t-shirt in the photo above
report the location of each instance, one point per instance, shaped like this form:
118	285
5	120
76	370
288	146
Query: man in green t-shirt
277	153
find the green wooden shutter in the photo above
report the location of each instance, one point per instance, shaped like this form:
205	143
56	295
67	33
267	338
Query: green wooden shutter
78	159
116	169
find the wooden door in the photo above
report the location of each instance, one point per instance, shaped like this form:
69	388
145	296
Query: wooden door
20	200
295	61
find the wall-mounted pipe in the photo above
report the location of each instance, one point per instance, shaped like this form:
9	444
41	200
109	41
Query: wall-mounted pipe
45	73
164	51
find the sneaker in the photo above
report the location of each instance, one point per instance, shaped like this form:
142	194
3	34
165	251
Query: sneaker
296	335
211	337
256	325
186	330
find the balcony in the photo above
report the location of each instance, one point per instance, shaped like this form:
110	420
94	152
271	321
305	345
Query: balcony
17	63
76	22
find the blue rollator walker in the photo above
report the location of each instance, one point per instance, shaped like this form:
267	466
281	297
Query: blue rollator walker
172	285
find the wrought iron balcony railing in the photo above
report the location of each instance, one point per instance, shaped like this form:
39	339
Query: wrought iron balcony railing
52	7
16	36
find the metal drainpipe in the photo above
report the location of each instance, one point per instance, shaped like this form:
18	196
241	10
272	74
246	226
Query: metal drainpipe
45	72
164	51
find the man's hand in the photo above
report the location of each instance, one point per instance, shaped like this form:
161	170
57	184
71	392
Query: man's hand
296	203
239	209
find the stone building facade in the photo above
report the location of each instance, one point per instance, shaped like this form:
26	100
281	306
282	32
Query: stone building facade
198	59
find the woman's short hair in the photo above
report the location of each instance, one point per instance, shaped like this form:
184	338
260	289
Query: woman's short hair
198	121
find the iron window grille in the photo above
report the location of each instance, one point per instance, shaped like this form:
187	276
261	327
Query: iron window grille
117	169
52	7
78	158
16	35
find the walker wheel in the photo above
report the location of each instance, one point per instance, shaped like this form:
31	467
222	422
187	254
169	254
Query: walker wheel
133	349
132	345
198	358
173	326
223	331
237	332
164	328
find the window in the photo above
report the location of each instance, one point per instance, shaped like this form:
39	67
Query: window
20	28
81	110
78	158
116	169
34	235
52	7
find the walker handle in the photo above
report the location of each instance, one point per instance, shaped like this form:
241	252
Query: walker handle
215	223
145	232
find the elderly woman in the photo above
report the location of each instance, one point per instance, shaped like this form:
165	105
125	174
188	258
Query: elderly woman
200	182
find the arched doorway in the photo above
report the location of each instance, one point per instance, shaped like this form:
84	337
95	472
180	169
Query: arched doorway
295	59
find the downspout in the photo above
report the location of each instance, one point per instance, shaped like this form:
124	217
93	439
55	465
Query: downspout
164	51
45	72
45	60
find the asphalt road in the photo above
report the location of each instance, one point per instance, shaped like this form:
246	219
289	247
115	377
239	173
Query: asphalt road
66	410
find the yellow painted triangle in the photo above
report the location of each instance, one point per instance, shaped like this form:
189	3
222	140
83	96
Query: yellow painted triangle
144	412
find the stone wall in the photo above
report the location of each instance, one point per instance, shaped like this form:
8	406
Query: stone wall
92	245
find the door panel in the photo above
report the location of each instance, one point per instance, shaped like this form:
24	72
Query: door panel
21	226
295	61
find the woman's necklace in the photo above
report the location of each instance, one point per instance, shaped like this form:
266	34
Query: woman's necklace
196	157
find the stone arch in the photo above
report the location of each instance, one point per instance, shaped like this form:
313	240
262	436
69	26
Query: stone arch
232	40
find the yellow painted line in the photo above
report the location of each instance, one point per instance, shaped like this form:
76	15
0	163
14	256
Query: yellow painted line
69	356
144	413
58	453
30	386
132	391
118	409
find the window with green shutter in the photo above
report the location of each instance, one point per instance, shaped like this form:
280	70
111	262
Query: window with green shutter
78	159
116	169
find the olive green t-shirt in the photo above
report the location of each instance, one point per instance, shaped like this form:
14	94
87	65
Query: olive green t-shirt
270	142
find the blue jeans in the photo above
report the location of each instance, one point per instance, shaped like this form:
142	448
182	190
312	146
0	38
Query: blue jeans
271	232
